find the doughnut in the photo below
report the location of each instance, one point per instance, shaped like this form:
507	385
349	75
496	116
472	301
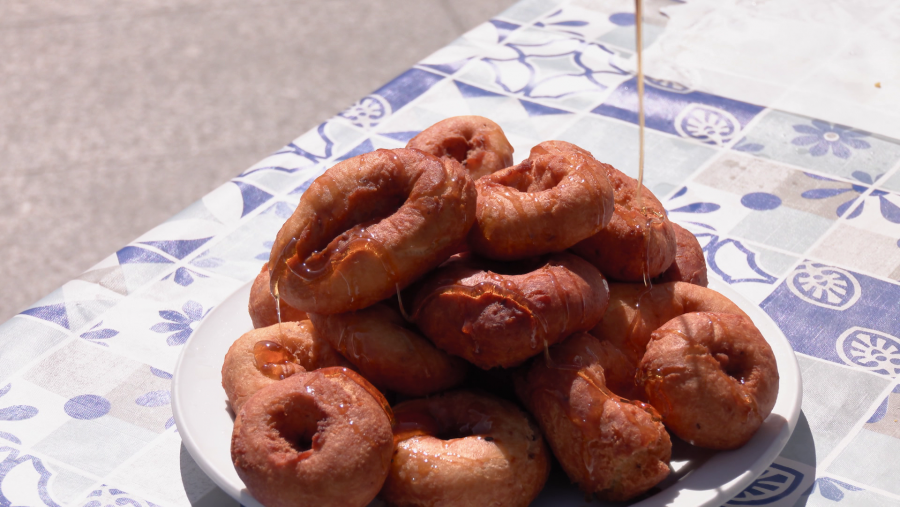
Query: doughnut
635	312
266	355
689	265
316	438
388	352
262	308
370	226
612	447
555	198
636	240
500	314
712	376
462	449
474	141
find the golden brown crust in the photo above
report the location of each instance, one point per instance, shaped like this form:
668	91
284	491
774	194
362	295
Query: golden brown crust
262	306
463	449
610	446
291	442
635	312
689	265
368	226
390	353
500	314
621	251
712	376
548	203
474	141
303	348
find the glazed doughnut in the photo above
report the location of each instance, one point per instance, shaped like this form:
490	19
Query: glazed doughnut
463	449
500	314
610	446
555	198
370	226
636	240
474	141
635	312
712	377
317	438
389	353
262	308
689	265
266	355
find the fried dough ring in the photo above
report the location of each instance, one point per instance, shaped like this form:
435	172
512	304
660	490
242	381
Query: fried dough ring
389	353
286	349
474	141
635	312
291	440
262	307
689	265
370	226
712	376
500	314
612	447
555	198
621	251
463	449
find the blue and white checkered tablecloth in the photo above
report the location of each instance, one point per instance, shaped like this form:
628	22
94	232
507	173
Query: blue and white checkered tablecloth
797	214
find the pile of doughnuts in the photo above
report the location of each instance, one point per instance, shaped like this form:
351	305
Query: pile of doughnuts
431	315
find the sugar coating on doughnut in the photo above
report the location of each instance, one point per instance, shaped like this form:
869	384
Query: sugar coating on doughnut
389	352
689	265
500	314
549	202
370	226
316	438
713	378
474	141
637	240
266	355
262	307
465	448
612	447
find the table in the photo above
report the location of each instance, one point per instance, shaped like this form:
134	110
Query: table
799	215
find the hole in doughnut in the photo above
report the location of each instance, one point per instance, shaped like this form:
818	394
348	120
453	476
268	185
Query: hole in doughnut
297	422
456	147
536	175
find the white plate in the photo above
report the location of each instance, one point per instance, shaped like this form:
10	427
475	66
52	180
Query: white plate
700	478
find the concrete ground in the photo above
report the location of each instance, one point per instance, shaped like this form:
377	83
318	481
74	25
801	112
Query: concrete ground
116	115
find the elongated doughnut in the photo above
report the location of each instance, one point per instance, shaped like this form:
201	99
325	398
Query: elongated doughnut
500	314
474	141
390	353
266	355
317	438
612	447
555	198
370	226
462	449
712	376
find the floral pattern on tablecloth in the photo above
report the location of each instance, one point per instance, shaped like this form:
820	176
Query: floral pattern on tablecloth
798	215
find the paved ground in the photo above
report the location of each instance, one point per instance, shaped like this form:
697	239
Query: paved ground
116	115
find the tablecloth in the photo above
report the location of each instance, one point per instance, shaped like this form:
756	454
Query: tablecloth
797	214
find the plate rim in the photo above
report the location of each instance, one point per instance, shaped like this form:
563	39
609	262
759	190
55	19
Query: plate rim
789	395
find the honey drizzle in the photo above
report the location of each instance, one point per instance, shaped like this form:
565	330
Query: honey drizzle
639	43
